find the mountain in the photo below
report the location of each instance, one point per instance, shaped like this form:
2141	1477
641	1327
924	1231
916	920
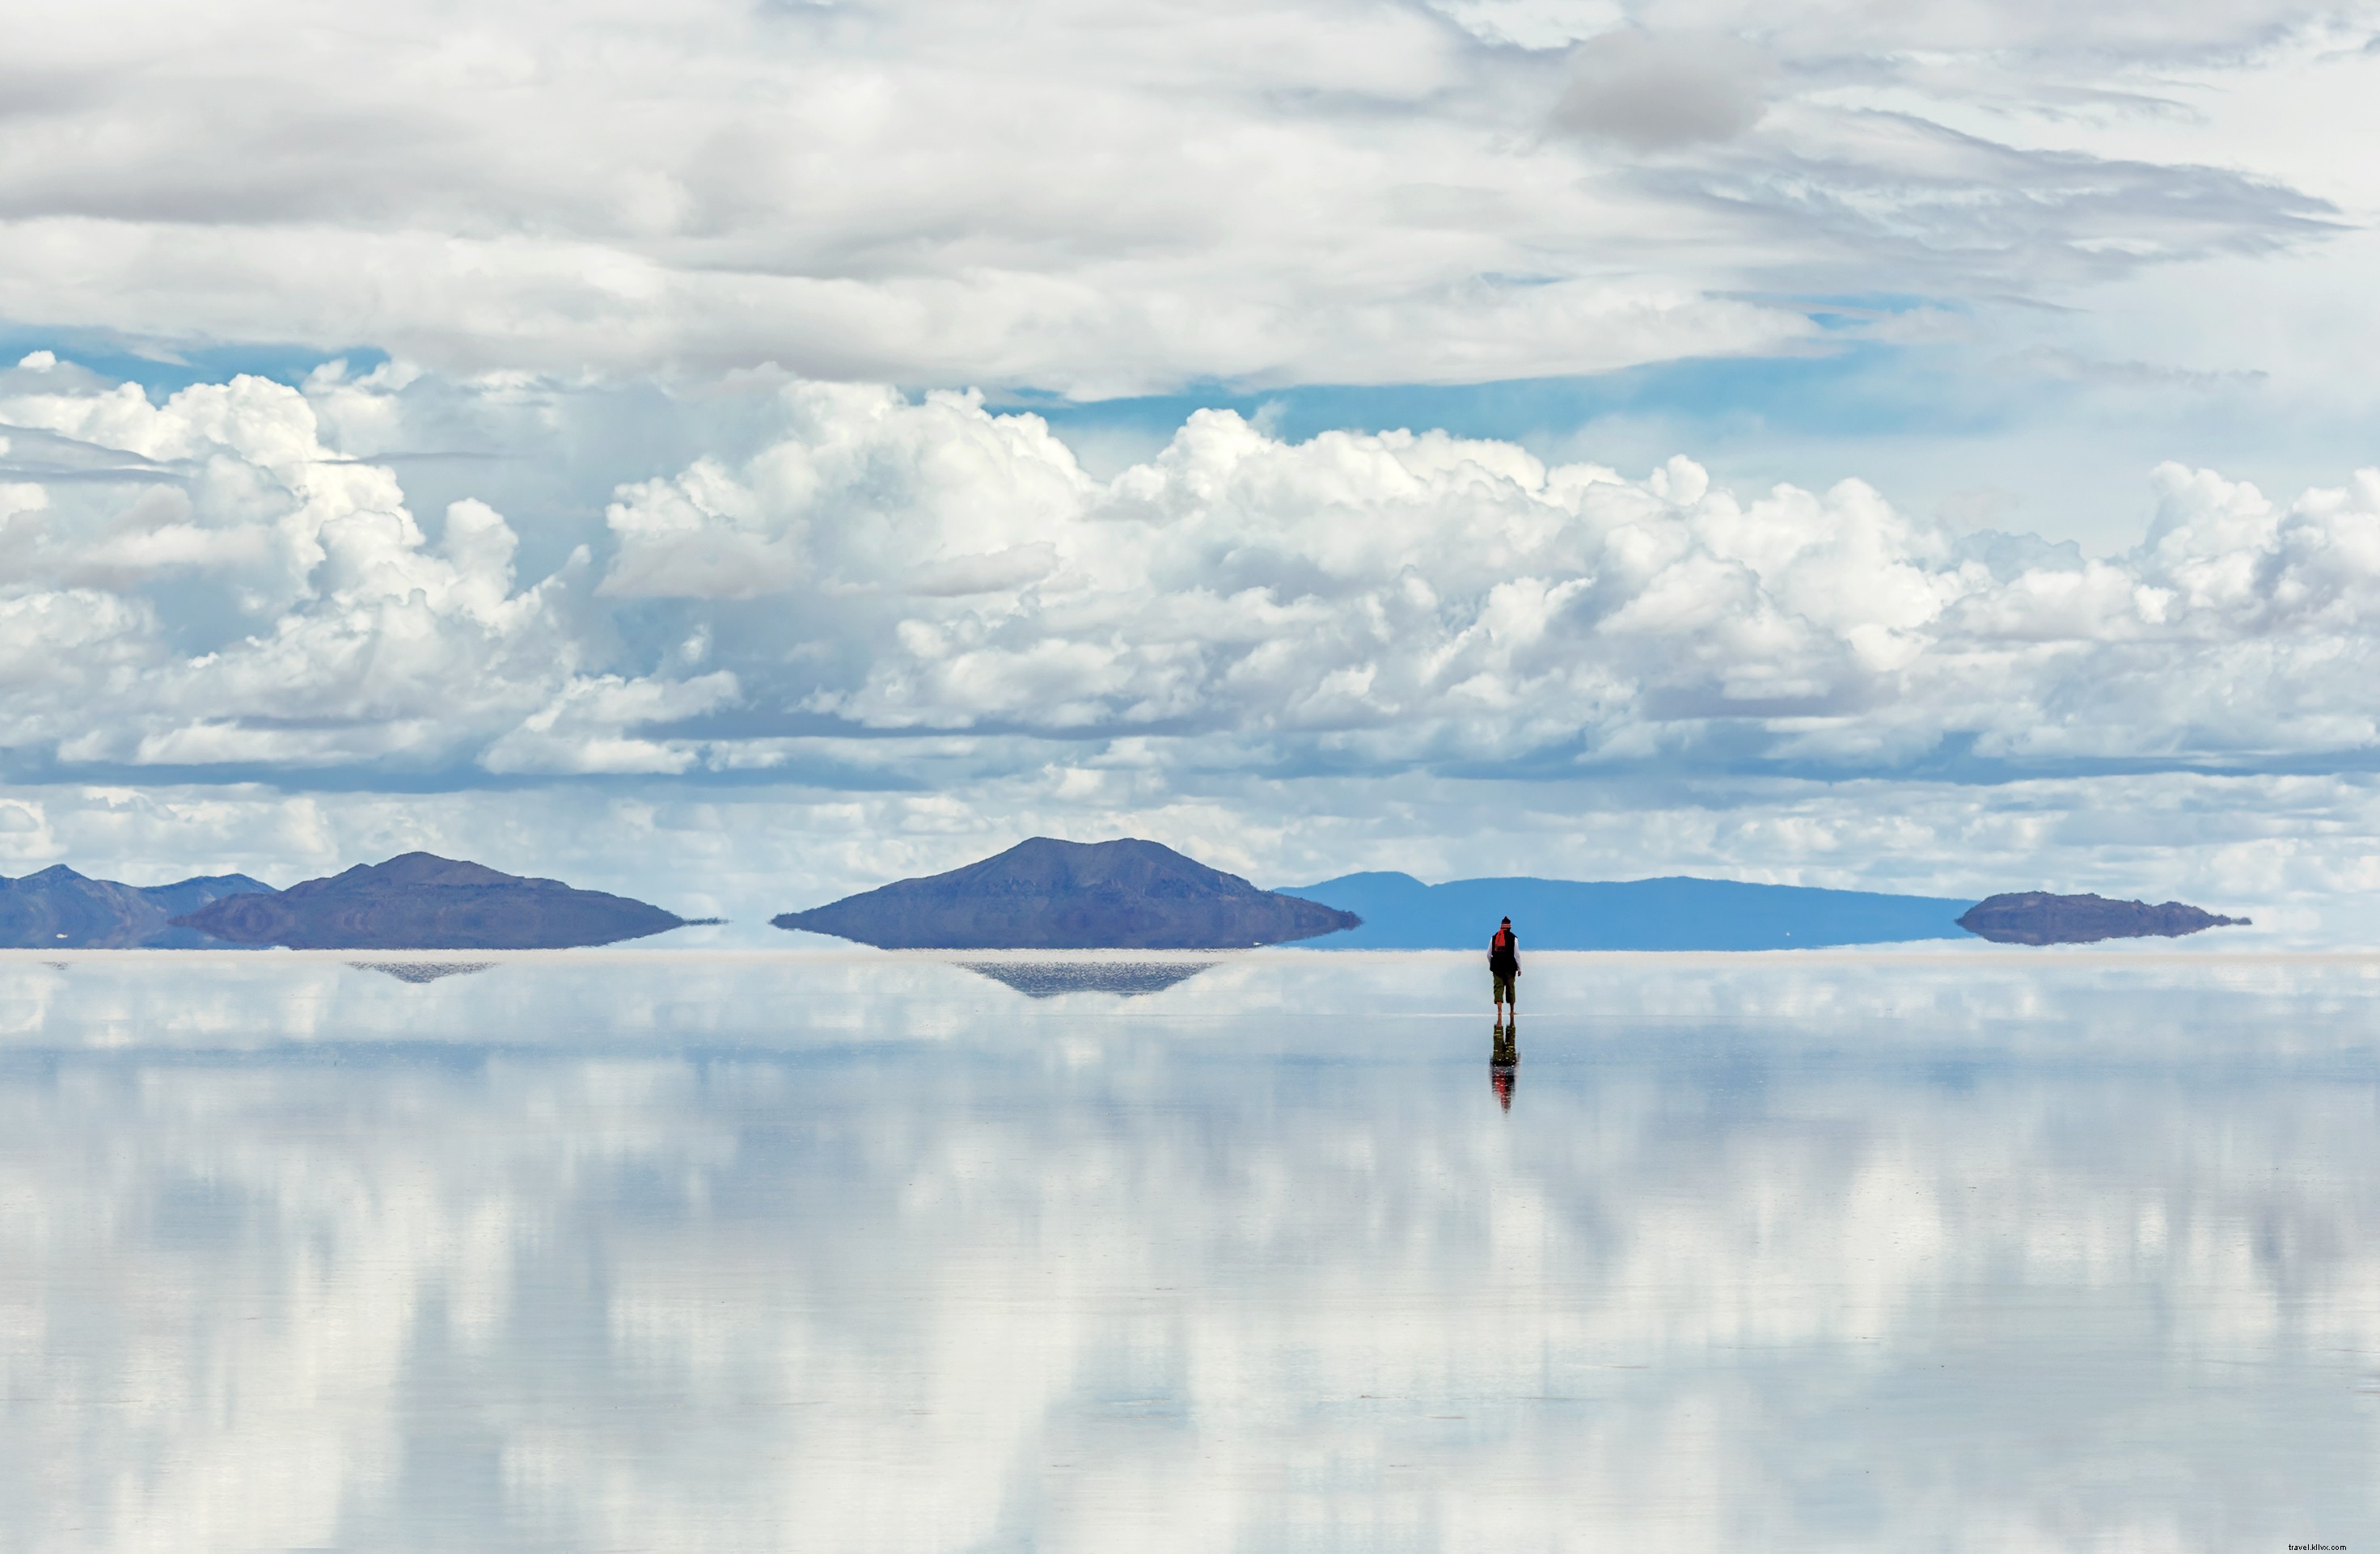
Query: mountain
422	902
58	909
2038	917
1401	913
1044	894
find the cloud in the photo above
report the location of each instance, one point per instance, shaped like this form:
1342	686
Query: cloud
2046	36
1251	194
926	568
1655	90
271	604
582	731
1961	213
1401	598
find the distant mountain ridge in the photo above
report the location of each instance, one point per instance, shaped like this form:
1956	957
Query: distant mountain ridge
59	909
1398	912
420	900
1046	894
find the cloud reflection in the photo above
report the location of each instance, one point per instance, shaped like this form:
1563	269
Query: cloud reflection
707	1254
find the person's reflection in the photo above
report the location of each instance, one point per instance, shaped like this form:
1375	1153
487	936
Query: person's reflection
1504	1063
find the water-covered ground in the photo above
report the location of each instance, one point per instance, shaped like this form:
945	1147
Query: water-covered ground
853	1252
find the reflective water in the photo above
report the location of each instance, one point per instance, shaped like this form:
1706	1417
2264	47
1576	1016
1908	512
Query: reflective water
856	1252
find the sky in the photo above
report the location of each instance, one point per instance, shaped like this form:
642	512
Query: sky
739	453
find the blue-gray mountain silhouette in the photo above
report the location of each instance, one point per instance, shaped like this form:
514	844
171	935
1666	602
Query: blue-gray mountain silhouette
421	902
58	909
1401	913
2039	918
1044	894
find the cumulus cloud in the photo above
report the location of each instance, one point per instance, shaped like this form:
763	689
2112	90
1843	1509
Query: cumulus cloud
1420	598
247	596
924	566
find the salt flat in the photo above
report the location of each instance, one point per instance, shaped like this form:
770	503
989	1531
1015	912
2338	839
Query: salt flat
824	1249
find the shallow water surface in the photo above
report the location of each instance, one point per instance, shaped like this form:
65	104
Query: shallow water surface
824	1251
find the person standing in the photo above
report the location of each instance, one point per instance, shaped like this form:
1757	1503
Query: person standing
1504	967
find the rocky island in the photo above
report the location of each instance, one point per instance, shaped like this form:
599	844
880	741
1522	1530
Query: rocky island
58	909
420	900
2039	918
1046	894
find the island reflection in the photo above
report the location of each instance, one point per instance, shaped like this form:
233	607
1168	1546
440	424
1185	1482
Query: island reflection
419	972
1040	978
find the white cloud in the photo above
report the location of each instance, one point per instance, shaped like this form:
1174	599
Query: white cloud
927	564
247	596
1401	598
1120	198
581	732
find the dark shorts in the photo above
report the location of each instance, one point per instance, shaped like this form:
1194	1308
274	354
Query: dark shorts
1504	992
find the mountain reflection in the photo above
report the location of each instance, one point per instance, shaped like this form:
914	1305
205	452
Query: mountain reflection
827	1255
1049	979
421	971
